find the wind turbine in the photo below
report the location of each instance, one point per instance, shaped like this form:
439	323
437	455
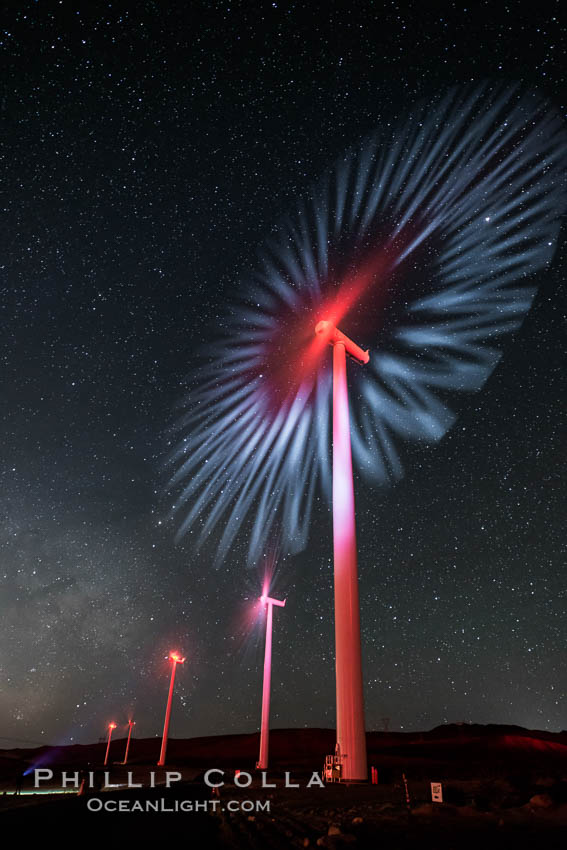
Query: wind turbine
262	762
430	238
175	659
111	727
131	723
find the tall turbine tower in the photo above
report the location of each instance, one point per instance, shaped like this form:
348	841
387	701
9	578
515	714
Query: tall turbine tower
351	733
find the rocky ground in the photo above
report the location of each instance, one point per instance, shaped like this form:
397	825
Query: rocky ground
485	814
491	815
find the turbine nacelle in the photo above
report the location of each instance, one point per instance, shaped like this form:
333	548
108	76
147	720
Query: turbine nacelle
175	657
334	335
267	600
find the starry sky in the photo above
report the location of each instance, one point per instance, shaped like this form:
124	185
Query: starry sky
151	147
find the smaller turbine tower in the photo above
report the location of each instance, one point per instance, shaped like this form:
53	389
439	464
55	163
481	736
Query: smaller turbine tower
175	659
262	762
111	727
131	723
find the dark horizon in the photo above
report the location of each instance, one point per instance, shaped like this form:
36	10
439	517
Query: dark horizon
460	732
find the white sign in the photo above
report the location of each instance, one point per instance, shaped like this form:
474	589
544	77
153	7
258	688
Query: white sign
436	792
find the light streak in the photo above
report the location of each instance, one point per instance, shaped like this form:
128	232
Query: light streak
427	245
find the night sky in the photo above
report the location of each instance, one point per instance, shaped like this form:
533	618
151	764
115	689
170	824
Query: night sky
151	149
